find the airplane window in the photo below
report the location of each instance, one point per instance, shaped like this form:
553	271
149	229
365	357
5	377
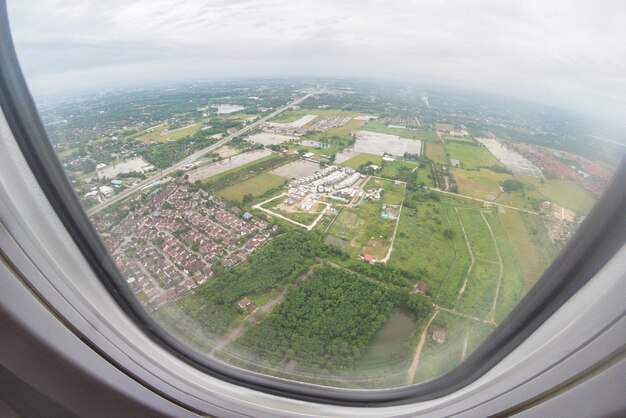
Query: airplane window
349	195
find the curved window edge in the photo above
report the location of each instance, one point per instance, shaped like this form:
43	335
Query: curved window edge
596	241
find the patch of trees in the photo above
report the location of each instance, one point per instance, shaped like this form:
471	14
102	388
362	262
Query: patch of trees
499	169
386	274
132	174
511	185
165	154
280	262
436	171
326	323
366	168
247	172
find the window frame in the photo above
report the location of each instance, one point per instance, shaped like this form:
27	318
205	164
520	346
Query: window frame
593	245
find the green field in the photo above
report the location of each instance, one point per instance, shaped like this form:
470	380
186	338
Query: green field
478	235
436	152
471	156
480	183
420	244
480	290
67	153
256	186
364	228
449	285
410	133
566	193
361	159
512	284
533	264
392	169
160	133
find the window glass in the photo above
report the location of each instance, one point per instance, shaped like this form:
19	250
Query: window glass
352	195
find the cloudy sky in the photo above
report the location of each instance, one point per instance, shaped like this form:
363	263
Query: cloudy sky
568	52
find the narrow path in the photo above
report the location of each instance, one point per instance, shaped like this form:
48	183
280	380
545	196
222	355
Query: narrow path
495	298
473	318
395	230
418	351
434	189
471	266
465	344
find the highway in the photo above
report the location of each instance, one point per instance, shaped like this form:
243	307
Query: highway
193	157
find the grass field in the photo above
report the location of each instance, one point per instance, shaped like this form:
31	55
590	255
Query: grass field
256	186
481	289
67	153
479	183
566	193
364	228
471	156
392	169
533	264
436	152
512	284
478	234
411	133
360	159
447	290
420	244
160	133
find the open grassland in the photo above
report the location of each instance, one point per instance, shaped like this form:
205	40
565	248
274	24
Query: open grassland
453	139
343	130
67	153
420	244
512	284
445	294
479	183
364	228
394	169
410	133
255	186
532	262
436	152
566	193
529	198
471	156
478	234
361	159
480	291
161	134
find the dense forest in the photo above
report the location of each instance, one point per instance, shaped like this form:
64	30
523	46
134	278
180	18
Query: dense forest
325	323
280	262
165	154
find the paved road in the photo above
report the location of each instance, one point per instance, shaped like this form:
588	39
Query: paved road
190	159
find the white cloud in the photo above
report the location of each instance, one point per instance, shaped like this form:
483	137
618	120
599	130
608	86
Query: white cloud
570	52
